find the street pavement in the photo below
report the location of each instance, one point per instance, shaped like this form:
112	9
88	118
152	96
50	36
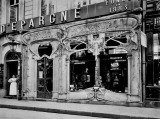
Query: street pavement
25	114
90	110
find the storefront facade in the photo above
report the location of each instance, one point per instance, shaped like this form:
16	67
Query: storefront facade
153	36
78	59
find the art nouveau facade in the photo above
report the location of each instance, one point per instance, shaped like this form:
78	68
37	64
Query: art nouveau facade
93	58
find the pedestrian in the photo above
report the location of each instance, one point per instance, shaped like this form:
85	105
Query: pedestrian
13	86
108	80
116	84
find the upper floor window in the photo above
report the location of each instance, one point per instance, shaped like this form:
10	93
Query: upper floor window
14	10
14	2
47	7
81	3
84	3
0	11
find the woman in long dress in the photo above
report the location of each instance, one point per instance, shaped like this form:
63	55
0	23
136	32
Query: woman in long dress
13	86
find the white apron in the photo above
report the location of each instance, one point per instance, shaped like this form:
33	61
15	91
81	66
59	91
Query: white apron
13	86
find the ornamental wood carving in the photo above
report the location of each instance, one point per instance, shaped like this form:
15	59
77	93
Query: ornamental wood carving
40	35
34	39
117	24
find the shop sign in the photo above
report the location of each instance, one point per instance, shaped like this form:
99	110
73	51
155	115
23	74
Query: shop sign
113	58
91	11
157	22
115	64
120	51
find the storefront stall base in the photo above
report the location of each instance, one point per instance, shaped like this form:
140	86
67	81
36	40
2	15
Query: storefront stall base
101	94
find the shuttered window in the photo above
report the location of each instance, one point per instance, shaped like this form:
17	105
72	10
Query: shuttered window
84	2
13	14
51	8
43	7
47	7
14	10
0	11
28	6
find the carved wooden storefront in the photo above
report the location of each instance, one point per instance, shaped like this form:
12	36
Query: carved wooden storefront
96	36
92	37
43	46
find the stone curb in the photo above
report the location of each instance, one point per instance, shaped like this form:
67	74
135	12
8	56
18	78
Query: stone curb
73	112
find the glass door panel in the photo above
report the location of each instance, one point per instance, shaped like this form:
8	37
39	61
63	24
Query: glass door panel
44	79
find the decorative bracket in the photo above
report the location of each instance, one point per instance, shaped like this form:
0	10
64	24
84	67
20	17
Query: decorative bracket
96	43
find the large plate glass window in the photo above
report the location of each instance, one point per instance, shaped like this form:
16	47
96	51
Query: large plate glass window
110	67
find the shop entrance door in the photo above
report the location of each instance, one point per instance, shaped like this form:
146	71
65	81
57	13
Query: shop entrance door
44	78
12	67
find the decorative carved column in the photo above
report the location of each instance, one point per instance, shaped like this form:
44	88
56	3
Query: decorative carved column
67	72
133	66
129	77
97	72
32	76
55	78
60	85
96	45
63	78
61	71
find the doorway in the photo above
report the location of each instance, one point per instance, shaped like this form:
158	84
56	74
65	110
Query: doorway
12	65
45	78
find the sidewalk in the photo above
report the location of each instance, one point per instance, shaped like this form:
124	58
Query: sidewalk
103	111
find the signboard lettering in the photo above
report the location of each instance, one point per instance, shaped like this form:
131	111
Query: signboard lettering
52	18
41	20
22	24
90	11
31	23
63	16
116	5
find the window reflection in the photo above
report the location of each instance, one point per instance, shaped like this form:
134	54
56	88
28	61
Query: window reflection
112	70
156	57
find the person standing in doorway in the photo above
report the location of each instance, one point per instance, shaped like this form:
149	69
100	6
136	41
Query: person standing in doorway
86	78
13	86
